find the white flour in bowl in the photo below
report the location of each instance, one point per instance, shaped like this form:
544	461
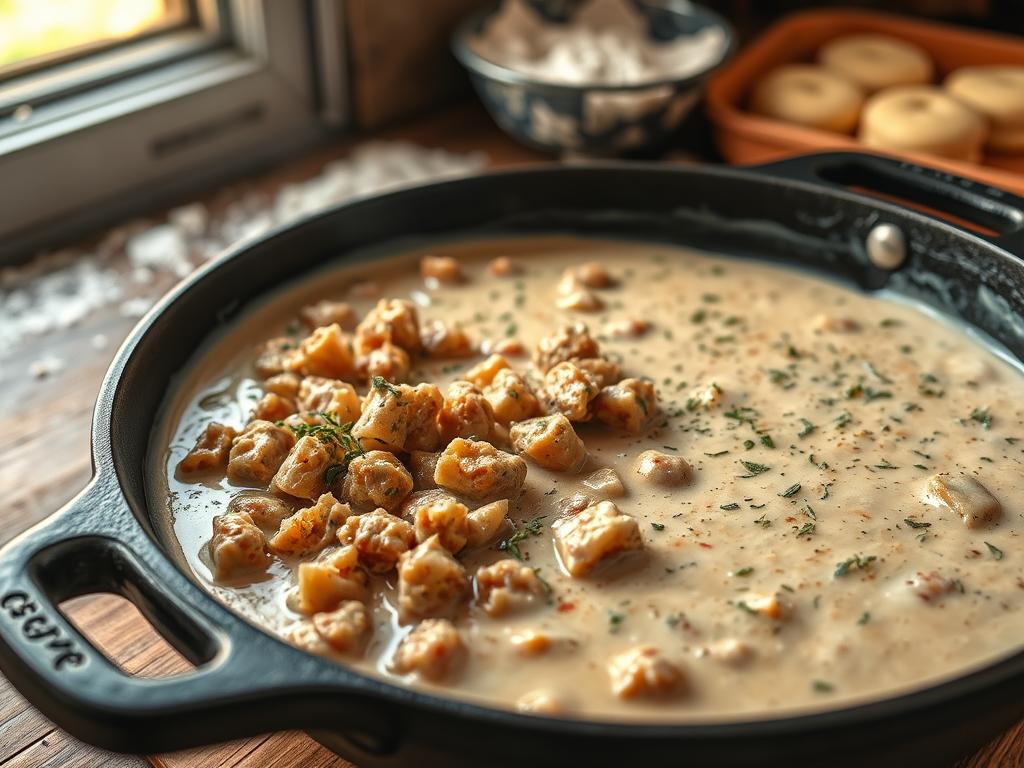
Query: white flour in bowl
606	42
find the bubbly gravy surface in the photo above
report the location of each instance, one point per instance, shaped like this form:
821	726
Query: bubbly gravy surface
807	565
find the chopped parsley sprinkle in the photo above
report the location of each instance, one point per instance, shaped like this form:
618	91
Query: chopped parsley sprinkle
745	571
548	590
731	505
982	416
748	444
855	563
822	686
530	528
615	620
864	618
742	605
742	414
925	387
871	394
885	465
843	419
791	491
916	523
379	382
334	434
875	372
807	529
996	552
754	468
332	472
767	442
658	526
807	428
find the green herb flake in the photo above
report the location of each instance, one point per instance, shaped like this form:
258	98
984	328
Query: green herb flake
744	572
743	606
807	428
767	442
864	618
533	527
332	472
916	523
658	526
742	414
822	686
615	620
748	444
730	506
996	552
548	589
982	416
380	383
334	434
791	491
855	563
807	529
753	468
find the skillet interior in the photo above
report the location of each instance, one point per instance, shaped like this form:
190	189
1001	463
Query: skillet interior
725	211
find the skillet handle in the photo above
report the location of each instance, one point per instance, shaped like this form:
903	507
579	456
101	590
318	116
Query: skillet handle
245	682
996	210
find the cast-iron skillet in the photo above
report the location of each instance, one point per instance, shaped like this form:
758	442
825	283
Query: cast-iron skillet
246	682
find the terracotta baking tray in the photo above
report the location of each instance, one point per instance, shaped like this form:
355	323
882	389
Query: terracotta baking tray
743	137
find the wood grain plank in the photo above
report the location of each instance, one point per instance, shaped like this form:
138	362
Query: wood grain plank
231	753
58	750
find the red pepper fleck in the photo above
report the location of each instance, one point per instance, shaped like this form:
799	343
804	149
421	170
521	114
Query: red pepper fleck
565	607
706	546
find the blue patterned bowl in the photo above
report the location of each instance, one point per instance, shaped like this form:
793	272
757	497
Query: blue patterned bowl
591	119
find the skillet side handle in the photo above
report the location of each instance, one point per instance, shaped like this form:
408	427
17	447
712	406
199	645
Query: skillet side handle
996	210
245	682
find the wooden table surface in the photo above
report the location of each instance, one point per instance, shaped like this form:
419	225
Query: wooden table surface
44	460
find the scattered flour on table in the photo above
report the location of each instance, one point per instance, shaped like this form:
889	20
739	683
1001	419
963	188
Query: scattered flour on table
46	366
605	42
56	291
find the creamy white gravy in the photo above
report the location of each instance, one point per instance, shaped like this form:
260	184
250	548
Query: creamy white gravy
847	426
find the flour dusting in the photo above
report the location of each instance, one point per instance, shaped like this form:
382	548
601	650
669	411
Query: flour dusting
57	291
606	42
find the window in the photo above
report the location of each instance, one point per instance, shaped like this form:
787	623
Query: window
108	107
34	34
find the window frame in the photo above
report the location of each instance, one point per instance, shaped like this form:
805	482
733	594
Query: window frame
216	101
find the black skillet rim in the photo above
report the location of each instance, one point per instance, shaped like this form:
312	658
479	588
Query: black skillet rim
970	683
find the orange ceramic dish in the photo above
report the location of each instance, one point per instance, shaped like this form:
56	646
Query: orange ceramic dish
744	137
